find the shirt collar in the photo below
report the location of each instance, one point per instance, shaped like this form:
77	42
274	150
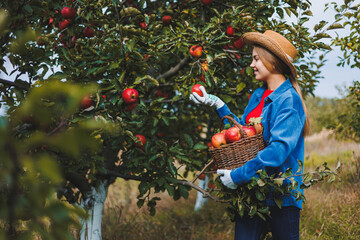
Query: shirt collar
280	90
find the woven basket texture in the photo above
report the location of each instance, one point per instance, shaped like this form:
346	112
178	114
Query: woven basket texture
236	154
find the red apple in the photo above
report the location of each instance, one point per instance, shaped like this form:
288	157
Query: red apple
86	102
130	95
211	185
250	131
232	134
63	24
143	25
141	140
209	145
218	140
202	176
202	78
51	20
239	43
258	128
196	51
206	2
230	31
166	19
88	32
196	88
67	12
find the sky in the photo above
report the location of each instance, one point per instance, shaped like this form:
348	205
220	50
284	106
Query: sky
333	76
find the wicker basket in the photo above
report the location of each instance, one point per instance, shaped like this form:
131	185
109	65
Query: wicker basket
236	154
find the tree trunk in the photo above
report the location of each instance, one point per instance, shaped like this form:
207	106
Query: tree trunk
93	202
200	200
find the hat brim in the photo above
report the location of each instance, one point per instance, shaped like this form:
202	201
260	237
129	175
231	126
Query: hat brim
256	38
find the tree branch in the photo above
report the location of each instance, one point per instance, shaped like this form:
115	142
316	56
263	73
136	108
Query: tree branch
182	182
172	71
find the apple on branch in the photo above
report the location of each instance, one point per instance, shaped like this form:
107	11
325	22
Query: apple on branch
67	12
130	95
86	102
64	24
196	51
166	19
206	2
230	31
239	43
88	32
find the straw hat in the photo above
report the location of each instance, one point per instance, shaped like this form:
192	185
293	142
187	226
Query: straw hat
275	43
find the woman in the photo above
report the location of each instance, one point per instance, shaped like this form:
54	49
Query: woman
279	102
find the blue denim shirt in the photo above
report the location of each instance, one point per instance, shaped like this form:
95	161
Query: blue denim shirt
283	119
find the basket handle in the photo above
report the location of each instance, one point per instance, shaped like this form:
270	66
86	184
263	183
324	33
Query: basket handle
242	132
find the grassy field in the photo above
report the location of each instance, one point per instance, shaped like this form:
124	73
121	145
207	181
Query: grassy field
331	210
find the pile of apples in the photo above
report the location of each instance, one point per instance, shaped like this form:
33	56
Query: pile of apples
233	134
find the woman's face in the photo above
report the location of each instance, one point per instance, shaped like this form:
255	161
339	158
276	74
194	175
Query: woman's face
260	71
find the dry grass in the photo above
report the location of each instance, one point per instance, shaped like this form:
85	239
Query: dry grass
331	210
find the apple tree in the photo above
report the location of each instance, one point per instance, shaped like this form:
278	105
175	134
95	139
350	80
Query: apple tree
74	63
347	16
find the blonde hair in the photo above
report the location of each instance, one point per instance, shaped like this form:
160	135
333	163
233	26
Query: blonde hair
276	65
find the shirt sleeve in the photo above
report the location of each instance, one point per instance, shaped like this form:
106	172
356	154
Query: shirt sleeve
284	135
224	111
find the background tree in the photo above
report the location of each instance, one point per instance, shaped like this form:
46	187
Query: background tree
109	46
348	16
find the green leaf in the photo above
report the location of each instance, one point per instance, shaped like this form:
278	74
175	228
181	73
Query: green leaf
261	183
129	11
183	191
240	87
200	146
188	140
279	201
335	26
140	203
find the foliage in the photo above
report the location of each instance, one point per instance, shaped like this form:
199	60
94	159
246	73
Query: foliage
348	16
347	122
132	47
322	112
250	198
29	175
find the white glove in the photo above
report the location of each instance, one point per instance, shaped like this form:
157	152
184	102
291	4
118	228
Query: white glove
226	179
207	99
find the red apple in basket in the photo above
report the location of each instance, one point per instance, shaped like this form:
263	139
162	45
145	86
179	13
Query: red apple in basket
258	128
232	134
218	140
250	131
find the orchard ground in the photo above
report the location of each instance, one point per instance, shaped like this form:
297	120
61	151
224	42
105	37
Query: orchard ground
331	211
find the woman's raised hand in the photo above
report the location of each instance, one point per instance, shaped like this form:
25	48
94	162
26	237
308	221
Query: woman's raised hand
206	99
